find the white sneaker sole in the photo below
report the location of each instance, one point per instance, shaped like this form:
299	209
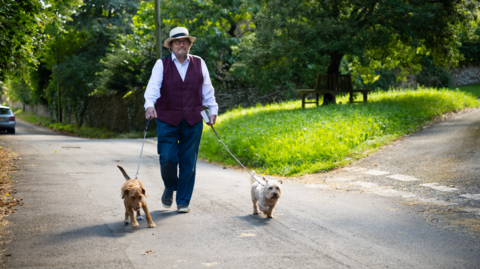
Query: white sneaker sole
184	210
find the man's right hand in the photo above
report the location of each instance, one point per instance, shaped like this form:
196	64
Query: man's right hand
150	113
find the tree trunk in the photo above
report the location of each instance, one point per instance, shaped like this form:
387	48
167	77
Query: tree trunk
333	69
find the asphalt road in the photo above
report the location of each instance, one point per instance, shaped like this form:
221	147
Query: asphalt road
73	216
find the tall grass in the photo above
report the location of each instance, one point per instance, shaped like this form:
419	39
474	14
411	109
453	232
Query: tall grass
283	139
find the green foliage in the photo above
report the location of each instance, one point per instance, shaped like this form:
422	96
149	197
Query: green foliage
470	48
283	139
19	90
21	23
433	76
294	36
218	26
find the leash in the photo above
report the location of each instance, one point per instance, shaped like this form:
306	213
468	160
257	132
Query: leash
141	152
219	139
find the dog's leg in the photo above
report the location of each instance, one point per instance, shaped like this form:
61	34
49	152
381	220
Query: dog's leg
126	218
254	201
139	215
255	209
147	215
269	212
131	214
126	221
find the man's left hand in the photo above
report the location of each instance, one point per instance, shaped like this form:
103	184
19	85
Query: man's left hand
213	118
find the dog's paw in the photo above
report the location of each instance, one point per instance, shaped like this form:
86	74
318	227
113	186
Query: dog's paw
126	222
139	217
135	225
152	225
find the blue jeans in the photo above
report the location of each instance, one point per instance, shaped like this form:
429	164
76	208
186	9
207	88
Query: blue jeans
178	150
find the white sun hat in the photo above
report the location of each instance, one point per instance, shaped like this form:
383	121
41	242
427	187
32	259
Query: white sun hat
176	33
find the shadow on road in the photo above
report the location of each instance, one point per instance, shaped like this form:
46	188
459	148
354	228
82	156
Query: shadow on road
255	220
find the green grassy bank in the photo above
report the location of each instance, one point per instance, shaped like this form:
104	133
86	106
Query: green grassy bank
473	89
283	139
81	131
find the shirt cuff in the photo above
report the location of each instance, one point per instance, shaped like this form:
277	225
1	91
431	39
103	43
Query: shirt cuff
213	109
149	104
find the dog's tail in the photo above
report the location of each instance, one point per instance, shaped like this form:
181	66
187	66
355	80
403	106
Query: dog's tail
123	172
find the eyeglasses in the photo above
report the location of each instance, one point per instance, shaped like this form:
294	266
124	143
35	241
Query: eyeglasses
184	41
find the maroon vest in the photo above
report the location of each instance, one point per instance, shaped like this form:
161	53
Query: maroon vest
181	99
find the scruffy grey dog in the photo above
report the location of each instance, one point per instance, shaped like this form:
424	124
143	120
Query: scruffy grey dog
266	196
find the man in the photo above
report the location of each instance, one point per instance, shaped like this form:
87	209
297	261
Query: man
179	86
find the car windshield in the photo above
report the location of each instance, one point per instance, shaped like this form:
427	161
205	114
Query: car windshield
4	111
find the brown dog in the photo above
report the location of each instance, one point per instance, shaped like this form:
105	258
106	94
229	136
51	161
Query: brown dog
132	195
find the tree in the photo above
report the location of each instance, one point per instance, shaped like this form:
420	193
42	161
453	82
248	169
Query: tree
296	39
21	23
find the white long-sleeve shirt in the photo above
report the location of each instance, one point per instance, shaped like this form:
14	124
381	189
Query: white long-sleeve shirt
152	93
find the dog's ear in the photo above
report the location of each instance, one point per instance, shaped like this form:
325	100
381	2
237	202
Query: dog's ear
280	181
265	179
144	193
125	193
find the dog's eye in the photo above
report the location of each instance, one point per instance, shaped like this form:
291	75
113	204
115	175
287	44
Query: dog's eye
270	188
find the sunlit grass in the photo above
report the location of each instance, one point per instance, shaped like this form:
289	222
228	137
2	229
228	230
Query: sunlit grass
283	139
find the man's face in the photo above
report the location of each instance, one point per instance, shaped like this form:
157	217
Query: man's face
181	47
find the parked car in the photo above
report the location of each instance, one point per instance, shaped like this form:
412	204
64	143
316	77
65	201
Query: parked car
7	120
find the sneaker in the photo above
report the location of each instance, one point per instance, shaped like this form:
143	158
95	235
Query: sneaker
167	198
183	209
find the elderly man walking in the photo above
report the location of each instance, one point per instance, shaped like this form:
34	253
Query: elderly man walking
178	88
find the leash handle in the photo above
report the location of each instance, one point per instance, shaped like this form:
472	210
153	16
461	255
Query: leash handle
148	123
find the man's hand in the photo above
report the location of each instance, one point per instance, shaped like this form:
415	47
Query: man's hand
213	118
150	113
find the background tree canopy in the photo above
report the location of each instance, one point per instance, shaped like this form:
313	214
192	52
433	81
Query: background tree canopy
296	39
60	52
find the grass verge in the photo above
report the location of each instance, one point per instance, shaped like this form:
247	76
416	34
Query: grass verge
81	131
473	89
283	139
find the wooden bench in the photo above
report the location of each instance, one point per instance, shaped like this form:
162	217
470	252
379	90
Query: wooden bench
332	84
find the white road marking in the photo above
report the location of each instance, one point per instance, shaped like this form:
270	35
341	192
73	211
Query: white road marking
437	187
339	179
376	172
403	178
317	186
354	169
396	193
471	196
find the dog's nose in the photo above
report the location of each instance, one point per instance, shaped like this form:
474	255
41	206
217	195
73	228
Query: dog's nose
137	208
274	194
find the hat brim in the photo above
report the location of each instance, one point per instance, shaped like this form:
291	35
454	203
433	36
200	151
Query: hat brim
166	43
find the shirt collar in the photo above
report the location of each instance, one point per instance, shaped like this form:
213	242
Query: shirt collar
175	57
